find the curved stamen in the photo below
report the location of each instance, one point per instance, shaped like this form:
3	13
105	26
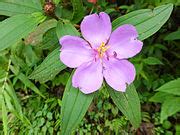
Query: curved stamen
102	49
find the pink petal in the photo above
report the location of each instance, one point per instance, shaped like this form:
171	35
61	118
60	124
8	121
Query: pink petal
75	51
88	77
124	42
118	73
96	28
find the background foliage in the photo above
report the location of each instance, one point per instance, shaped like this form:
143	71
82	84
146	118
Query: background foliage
36	96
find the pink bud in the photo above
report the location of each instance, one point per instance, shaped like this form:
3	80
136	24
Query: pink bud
92	1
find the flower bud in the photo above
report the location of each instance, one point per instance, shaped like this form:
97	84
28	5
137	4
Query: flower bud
92	1
49	8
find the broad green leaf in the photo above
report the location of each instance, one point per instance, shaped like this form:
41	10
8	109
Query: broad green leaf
36	36
49	68
152	61
170	107
17	27
173	36
172	87
74	106
52	65
78	10
128	103
14	7
146	21
160	97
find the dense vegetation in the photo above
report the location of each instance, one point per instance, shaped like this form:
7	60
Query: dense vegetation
33	80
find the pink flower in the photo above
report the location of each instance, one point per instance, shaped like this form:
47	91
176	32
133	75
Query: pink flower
101	54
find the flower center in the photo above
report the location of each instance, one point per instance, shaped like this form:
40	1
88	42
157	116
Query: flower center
102	49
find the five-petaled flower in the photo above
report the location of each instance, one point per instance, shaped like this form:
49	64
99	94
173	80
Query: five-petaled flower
101	54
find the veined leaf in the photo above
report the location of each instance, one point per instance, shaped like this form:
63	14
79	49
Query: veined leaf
74	106
128	103
49	68
172	87
10	8
15	28
146	21
78	12
52	65
170	107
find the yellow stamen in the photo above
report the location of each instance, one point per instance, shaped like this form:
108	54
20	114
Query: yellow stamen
102	49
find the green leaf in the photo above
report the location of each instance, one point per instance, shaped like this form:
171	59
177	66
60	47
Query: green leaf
13	103
160	97
49	68
56	1
8	103
173	36
15	28
24	79
152	61
146	21
10	8
66	28
10	90
172	87
177	129
52	65
29	84
169	107
128	103
78	10
4	116
36	36
50	40
74	106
